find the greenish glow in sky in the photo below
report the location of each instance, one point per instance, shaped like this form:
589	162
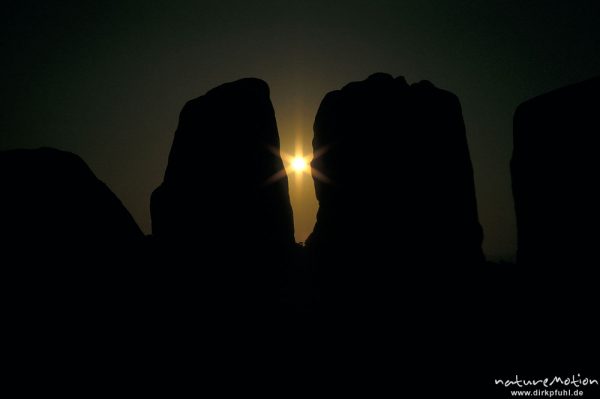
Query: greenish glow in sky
107	81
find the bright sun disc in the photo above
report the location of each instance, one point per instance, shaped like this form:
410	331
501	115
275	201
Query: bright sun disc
299	164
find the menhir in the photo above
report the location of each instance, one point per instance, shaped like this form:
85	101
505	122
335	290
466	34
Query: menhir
53	207
223	207
554	167
394	180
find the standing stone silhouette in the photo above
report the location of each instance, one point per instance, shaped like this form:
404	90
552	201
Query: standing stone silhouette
394	181
555	174
53	205
219	207
554	167
69	251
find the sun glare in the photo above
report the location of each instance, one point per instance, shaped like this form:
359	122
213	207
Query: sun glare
299	164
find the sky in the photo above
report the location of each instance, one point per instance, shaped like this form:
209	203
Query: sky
107	80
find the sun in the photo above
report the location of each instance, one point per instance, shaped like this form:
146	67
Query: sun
299	164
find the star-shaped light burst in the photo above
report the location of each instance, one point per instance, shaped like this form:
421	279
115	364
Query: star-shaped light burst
299	164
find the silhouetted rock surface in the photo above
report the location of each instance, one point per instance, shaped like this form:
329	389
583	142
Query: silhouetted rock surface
219	207
52	200
398	187
551	292
397	234
69	257
555	170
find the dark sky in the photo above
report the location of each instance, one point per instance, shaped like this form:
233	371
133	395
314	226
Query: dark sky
107	81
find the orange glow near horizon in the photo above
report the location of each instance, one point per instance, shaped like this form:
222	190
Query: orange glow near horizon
297	164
